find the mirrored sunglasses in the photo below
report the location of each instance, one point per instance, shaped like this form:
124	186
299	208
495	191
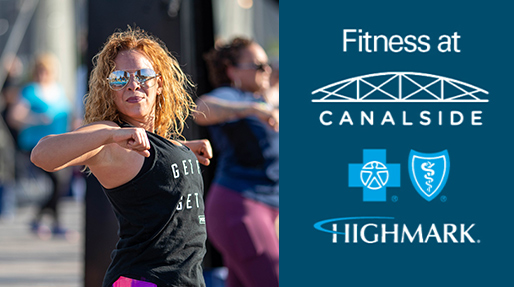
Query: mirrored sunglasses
252	66
119	79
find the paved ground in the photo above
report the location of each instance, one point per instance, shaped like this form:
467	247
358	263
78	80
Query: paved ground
27	260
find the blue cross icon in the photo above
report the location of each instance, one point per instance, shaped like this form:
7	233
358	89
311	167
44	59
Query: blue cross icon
374	175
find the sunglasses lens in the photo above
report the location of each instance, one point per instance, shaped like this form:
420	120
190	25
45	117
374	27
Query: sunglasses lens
118	80
252	66
143	75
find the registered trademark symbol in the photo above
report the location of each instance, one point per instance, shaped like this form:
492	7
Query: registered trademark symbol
478	241
394	198
444	198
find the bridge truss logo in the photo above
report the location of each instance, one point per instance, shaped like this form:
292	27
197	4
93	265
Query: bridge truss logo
400	87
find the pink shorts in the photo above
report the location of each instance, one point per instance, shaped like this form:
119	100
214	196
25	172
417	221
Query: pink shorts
128	282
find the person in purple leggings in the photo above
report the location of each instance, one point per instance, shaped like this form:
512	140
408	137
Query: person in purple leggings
242	204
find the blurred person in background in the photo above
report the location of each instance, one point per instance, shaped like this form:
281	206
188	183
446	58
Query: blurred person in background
136	109
8	96
242	203
11	88
272	94
42	108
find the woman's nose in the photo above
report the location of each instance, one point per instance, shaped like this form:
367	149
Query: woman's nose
268	69
133	84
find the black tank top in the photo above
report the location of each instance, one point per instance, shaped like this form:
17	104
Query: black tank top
161	219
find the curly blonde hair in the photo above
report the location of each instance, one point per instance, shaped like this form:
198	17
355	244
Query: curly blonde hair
173	105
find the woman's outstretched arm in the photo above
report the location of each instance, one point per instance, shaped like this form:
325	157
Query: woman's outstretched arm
86	145
211	110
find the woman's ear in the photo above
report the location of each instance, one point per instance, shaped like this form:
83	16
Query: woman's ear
159	86
231	70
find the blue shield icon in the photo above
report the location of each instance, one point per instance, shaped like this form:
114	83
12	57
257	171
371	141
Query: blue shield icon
429	172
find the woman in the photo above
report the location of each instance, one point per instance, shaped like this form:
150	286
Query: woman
42	109
135	111
242	203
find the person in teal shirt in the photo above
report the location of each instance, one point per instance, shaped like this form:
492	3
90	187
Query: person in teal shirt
43	109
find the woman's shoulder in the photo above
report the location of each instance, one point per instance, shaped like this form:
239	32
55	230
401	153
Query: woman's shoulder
226	93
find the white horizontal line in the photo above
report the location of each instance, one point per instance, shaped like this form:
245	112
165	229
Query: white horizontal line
400	101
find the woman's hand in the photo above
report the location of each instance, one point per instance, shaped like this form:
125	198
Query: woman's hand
202	149
267	114
134	139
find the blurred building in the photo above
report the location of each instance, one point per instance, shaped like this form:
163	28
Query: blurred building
30	27
257	19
